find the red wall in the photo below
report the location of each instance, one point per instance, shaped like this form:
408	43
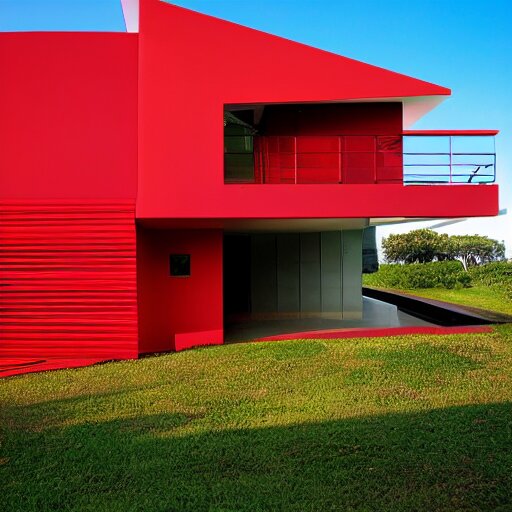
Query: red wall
340	143
179	312
192	65
68	115
67	280
68	182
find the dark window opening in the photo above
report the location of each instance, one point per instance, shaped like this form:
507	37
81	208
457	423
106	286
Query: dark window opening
331	143
180	265
238	149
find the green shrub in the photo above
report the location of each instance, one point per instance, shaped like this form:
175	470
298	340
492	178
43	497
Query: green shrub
463	279
445	274
497	274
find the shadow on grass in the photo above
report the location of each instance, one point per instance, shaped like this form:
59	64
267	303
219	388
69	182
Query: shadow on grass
458	458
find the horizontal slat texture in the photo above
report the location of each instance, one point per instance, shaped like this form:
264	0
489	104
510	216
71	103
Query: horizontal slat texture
68	280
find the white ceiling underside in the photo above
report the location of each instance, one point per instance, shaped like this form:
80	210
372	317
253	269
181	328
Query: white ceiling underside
258	225
439	222
291	225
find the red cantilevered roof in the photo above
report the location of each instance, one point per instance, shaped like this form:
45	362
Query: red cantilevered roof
240	65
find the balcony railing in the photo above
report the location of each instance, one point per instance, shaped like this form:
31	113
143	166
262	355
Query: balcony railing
449	157
414	158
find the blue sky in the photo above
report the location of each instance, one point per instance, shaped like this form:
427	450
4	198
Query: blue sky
461	44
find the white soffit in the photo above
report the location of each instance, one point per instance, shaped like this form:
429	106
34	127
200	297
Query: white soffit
388	221
131	14
417	107
293	225
437	222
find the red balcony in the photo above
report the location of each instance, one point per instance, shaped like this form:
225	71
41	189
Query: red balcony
414	158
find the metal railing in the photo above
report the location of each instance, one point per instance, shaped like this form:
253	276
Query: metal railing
447	162
414	158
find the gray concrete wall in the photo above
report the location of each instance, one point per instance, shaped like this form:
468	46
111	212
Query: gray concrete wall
307	273
352	263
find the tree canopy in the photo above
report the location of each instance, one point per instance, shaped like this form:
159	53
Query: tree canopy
476	249
425	245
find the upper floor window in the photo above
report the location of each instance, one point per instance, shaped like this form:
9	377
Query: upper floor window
238	149
313	143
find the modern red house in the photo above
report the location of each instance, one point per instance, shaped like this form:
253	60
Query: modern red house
155	184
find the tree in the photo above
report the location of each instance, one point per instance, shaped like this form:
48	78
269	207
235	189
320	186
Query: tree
425	245
474	250
418	246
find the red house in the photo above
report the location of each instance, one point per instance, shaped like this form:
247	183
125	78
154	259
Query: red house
155	184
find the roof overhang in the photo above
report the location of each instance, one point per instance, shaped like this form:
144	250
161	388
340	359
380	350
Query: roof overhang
414	107
439	222
417	96
258	225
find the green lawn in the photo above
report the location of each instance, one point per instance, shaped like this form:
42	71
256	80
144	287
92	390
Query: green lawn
483	297
412	423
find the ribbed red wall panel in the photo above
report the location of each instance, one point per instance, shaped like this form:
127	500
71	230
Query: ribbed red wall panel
68	280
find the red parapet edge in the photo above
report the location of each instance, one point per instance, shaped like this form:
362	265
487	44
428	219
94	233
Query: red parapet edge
464	133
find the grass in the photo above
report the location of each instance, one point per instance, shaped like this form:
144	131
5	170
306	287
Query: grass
483	297
397	424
